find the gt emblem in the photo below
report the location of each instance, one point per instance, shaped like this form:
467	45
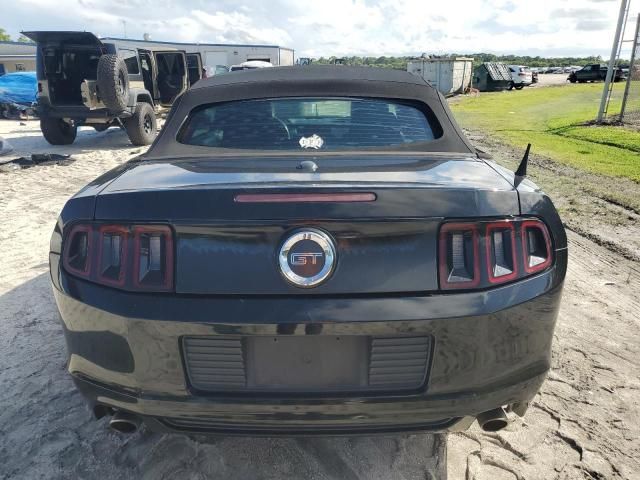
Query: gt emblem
307	257
303	258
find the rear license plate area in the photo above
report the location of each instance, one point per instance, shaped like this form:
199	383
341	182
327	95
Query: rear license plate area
311	363
306	364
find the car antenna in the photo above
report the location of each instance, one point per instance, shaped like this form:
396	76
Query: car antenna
521	172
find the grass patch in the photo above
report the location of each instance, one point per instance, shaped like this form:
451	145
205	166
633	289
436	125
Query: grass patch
552	119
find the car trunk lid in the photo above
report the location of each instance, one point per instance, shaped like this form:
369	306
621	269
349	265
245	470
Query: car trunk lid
384	244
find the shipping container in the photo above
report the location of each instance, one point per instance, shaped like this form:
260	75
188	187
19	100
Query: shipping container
450	76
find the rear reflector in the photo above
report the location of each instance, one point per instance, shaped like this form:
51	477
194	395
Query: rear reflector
304	197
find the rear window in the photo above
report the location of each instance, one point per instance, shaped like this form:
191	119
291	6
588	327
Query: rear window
308	124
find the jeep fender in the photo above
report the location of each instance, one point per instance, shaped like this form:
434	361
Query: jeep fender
139	95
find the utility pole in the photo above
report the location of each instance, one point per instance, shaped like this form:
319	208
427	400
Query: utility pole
612	59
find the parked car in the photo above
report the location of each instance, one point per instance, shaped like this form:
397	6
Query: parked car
594	73
250	65
520	76
309	251
84	81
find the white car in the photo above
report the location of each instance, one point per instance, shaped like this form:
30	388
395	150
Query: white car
250	65
521	76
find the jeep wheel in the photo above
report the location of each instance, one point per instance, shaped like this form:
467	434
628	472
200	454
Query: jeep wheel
113	83
519	86
58	132
511	85
141	127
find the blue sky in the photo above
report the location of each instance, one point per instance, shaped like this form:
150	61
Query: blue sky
341	27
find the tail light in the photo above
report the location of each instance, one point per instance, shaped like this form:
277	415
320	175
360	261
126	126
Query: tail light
459	258
77	250
130	257
506	249
536	246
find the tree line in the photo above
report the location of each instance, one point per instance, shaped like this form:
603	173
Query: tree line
400	63
5	37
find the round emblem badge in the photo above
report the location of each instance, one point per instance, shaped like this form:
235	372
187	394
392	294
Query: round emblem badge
307	257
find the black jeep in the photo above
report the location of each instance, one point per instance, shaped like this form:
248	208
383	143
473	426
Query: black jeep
84	81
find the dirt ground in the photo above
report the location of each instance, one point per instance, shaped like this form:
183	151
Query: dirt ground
585	424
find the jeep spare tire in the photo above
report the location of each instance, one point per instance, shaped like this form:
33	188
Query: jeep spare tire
141	127
113	83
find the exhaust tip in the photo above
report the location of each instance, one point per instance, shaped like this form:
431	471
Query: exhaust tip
124	422
493	420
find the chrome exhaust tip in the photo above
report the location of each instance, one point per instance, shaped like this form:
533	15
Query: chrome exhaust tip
493	420
124	422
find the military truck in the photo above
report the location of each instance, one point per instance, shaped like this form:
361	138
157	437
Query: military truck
85	81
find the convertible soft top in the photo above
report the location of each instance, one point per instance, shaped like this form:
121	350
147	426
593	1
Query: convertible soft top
311	81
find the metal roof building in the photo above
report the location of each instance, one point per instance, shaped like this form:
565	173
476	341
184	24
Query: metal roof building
17	57
218	54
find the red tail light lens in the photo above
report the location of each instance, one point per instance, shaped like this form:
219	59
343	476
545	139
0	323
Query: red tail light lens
509	250
130	257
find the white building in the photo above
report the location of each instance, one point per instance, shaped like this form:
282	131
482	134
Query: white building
216	54
449	75
17	57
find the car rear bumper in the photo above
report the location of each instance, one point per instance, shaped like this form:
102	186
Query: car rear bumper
489	349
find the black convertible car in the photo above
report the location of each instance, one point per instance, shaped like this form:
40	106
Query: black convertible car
312	250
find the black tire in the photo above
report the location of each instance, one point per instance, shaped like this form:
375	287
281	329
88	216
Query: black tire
141	127
574	80
519	87
113	83
511	85
58	132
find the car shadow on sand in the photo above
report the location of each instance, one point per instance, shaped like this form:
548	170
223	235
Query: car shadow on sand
26	138
46	430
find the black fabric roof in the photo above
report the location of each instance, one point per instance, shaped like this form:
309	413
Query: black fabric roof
311	81
314	72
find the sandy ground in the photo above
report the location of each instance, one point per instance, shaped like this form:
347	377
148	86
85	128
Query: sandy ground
583	425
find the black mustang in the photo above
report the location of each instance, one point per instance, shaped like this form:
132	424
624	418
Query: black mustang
309	250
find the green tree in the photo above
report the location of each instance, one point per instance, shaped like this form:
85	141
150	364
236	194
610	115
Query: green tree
4	36
24	39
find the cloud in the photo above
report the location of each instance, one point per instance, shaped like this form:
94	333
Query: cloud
339	27
591	25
